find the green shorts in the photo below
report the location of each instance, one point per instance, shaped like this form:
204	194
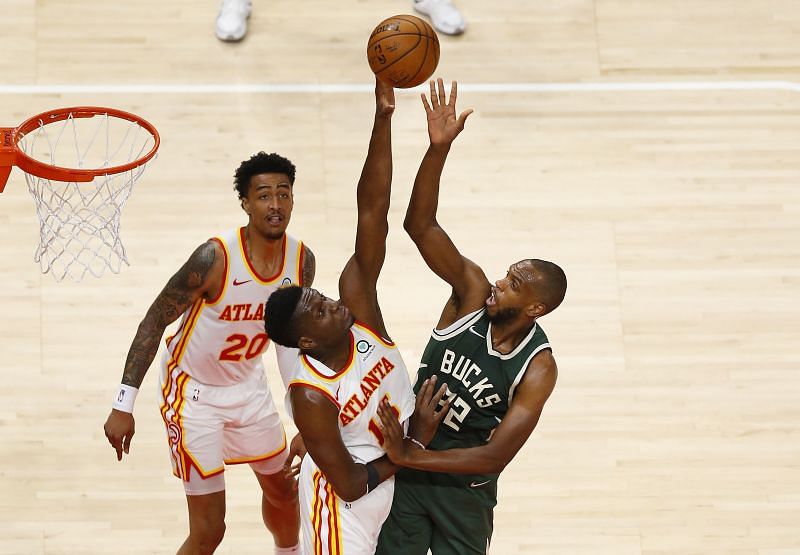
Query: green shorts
440	512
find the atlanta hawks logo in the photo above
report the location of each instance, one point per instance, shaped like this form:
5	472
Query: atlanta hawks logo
174	433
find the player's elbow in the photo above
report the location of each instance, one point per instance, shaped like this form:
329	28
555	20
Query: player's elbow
349	490
350	493
493	465
415	227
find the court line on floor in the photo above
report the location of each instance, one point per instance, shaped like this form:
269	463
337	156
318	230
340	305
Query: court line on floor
331	88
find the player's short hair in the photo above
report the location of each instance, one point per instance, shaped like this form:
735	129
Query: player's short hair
552	283
257	164
278	315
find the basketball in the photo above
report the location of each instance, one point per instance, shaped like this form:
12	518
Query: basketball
403	50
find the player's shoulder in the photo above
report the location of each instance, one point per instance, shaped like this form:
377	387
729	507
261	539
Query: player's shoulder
309	266
542	367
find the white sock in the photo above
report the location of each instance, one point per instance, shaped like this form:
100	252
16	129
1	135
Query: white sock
287	550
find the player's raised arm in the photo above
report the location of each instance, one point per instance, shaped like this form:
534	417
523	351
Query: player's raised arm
187	285
469	283
357	284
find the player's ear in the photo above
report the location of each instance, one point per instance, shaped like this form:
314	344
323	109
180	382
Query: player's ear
246	206
534	310
305	343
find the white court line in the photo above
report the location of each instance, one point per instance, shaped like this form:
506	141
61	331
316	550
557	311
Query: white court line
331	88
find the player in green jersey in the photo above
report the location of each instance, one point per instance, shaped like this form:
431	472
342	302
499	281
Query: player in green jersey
497	364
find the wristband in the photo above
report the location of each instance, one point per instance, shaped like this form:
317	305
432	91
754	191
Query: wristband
372	477
123	400
415	442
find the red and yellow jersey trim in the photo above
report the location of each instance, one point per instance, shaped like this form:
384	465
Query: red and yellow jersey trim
312	385
171	414
325	498
316	514
259	278
259	458
187	326
301	259
383	341
225	270
334	527
309	364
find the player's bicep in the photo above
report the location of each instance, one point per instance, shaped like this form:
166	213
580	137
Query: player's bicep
309	267
358	291
467	279
526	407
317	419
194	279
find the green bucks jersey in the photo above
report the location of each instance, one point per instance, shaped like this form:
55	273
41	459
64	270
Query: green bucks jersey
480	380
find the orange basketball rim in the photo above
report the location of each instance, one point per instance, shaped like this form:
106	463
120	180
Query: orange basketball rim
12	155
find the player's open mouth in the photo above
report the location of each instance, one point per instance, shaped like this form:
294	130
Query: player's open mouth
491	300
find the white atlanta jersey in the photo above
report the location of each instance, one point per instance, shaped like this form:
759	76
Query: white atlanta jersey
220	341
374	371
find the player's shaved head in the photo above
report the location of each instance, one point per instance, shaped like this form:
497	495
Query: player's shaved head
549	282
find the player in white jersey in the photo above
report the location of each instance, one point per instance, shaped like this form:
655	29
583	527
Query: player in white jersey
346	367
215	402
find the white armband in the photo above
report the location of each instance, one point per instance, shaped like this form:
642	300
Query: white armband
124	398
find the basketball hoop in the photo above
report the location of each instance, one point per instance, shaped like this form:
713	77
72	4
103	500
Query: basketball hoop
80	165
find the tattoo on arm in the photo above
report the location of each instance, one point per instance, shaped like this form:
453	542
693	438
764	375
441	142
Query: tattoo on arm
309	267
181	291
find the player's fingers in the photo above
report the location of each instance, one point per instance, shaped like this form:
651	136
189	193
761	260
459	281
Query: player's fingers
462	119
424	394
445	408
126	445
117	445
389	417
442	95
441	392
425	103
434	98
385	420
453	93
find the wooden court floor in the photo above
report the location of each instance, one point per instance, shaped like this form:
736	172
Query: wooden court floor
674	209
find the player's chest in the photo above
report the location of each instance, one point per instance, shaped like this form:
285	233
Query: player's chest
362	388
473	376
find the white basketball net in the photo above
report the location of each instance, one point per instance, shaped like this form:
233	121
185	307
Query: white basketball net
79	223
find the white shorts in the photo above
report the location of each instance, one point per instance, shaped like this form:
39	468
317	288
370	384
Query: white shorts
330	525
210	426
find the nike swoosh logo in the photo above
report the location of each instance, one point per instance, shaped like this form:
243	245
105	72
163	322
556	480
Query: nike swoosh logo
472	329
479	484
235	282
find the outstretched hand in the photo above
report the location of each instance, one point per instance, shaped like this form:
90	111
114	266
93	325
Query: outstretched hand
384	98
443	126
430	408
424	421
297	449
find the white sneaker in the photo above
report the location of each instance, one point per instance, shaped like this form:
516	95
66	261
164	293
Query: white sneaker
444	15
232	19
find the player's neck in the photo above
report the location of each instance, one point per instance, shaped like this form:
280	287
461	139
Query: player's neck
336	358
265	253
506	337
